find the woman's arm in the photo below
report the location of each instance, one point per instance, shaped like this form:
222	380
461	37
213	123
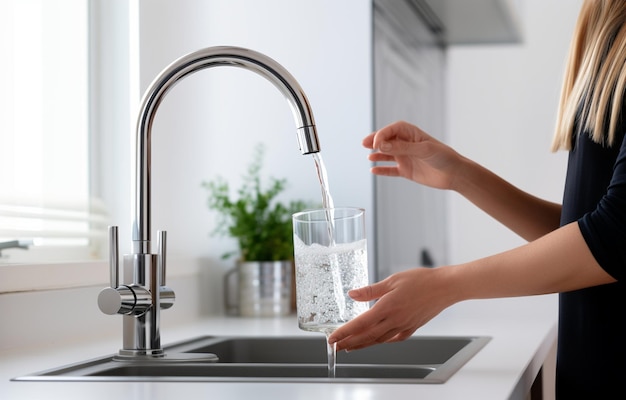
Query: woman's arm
528	216
557	262
407	151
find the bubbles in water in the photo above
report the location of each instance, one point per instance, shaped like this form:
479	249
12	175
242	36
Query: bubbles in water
324	275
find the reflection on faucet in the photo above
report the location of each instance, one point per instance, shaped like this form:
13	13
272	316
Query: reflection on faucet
15	244
141	300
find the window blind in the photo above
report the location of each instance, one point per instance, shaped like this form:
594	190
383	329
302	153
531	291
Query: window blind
44	131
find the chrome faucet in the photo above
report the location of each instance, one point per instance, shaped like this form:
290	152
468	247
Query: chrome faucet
141	300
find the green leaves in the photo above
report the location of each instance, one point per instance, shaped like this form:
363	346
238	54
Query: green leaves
261	225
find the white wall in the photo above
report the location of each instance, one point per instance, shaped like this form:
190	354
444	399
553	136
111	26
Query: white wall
502	103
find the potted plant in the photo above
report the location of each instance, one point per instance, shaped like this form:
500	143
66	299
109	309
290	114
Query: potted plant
263	229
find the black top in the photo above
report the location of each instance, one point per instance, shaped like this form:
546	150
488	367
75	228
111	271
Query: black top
591	360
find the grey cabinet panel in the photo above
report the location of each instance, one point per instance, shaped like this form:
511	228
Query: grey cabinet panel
409	68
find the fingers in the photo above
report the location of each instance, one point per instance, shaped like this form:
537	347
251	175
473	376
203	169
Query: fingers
391	337
397	131
398	147
370	292
385	170
394	317
371	327
377	157
368	141
385	138
380	157
361	324
363	331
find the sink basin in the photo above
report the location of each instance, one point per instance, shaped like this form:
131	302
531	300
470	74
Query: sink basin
419	359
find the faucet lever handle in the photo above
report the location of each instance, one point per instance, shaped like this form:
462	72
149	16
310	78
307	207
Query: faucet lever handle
166	295
161	256
114	263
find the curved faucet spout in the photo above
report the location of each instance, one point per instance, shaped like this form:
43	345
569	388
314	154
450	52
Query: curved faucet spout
184	66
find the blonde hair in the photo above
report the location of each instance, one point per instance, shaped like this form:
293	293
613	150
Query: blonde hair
595	75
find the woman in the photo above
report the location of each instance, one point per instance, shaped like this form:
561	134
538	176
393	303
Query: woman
577	249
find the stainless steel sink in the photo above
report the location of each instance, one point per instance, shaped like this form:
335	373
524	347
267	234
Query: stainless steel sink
284	359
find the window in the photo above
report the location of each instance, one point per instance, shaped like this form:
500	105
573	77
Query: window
44	132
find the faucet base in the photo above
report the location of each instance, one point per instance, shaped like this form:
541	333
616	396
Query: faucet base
164	358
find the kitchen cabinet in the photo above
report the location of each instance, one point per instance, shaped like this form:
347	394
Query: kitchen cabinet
409	69
461	22
409	57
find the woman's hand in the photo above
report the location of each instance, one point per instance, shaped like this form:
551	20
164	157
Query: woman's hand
406	301
413	154
417	156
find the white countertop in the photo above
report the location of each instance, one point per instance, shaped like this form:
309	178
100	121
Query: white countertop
523	331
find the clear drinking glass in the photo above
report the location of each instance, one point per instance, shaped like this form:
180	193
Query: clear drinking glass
330	249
